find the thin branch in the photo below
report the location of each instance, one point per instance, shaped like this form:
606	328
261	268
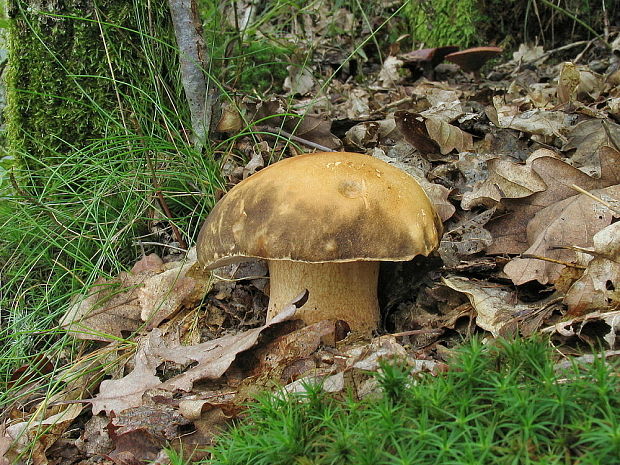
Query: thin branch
288	135
418	331
199	90
616	210
553	260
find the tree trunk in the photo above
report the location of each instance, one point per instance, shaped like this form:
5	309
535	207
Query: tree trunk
72	64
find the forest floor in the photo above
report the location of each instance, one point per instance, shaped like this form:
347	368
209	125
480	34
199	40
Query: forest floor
521	162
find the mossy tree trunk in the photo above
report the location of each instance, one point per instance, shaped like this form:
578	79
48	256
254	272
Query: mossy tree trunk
73	63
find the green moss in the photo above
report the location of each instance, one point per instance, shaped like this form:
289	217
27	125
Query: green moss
63	66
444	22
481	22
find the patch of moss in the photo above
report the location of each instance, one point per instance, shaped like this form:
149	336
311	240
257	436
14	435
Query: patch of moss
63	65
444	22
482	22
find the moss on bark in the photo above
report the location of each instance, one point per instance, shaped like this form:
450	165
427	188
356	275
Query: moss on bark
68	59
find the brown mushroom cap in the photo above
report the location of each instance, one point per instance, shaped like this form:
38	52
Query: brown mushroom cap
318	208
434	56
472	59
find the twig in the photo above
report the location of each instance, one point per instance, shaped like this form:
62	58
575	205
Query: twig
160	244
417	331
199	90
548	53
394	104
288	135
552	260
616	210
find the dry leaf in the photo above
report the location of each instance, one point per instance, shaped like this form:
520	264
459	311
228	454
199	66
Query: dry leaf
214	357
163	294
358	104
536	121
506	180
496	306
116	395
579	327
510	230
466	238
570	222
448	137
599	287
140	433
111	308
568	82
40	435
527	53
445	105
151	292
389	75
294	346
413	129
313	128
299	80
4	448
589	138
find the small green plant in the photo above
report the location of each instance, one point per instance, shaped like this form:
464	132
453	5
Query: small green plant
244	57
498	405
444	22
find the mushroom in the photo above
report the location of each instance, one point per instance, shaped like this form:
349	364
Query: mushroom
323	222
425	59
472	59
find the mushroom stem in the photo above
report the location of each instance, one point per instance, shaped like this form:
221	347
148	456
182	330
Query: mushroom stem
342	291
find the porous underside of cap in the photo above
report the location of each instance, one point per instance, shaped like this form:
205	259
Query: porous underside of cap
321	207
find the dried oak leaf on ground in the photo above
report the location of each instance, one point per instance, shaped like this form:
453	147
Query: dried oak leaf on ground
496	306
358	360
466	237
430	135
140	433
599	287
570	222
40	434
150	292
499	311
116	395
591	139
5	444
590	328
536	122
213	359
509	230
449	137
506	180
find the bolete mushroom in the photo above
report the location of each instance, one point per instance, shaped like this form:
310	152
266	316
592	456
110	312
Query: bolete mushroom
425	59
472	59
323	221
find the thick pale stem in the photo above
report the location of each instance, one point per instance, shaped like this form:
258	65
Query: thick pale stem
343	291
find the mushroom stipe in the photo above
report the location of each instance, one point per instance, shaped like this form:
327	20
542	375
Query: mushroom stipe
323	221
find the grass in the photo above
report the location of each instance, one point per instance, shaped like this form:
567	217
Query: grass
504	404
88	208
